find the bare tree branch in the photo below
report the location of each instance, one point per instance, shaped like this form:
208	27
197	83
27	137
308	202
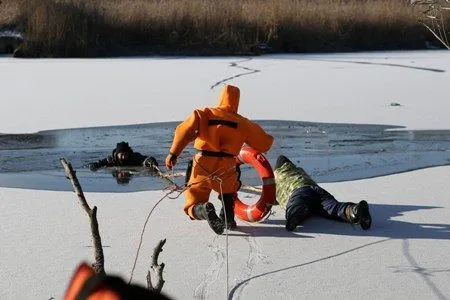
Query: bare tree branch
433	18
437	36
157	269
99	265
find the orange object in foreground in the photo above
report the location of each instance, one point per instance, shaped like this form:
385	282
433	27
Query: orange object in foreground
83	273
87	285
255	212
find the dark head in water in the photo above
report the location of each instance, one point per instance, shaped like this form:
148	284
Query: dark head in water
122	151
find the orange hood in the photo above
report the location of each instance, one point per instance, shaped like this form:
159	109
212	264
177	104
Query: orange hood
229	98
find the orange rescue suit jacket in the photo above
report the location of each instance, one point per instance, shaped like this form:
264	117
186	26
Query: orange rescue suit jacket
221	128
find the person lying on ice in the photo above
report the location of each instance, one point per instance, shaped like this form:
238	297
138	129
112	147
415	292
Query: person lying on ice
218	134
123	155
301	197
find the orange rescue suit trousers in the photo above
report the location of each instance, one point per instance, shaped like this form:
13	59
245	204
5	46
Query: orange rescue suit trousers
210	173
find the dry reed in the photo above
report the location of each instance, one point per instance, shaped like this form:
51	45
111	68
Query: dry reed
209	27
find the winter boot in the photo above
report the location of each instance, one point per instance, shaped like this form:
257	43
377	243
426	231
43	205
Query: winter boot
302	213
281	161
359	214
228	200
208	212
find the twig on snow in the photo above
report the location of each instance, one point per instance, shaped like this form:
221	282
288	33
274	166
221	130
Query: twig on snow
157	269
99	265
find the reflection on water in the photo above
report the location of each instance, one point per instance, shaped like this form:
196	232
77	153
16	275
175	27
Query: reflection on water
330	152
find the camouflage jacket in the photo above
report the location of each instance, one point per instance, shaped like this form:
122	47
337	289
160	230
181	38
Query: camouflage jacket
288	178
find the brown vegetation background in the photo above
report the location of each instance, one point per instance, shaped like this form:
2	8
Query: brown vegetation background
90	28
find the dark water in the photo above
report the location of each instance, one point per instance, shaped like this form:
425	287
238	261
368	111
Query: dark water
329	152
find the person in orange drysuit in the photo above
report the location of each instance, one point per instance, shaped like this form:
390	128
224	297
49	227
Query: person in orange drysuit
218	134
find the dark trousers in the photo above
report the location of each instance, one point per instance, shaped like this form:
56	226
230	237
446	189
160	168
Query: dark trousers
319	201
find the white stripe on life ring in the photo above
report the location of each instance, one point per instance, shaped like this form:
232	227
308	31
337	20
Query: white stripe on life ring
268	181
249	213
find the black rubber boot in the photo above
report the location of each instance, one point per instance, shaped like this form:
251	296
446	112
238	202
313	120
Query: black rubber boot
302	213
228	200
359	214
208	212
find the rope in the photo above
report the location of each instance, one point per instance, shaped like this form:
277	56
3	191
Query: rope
143	230
217	178
175	188
226	235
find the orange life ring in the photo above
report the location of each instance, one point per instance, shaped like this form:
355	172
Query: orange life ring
255	212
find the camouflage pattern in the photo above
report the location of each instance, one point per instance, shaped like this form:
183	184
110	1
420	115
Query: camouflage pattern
288	178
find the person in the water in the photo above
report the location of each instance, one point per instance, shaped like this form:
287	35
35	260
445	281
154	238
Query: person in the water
123	156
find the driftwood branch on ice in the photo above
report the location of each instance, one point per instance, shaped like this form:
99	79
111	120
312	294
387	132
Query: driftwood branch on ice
99	265
157	269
